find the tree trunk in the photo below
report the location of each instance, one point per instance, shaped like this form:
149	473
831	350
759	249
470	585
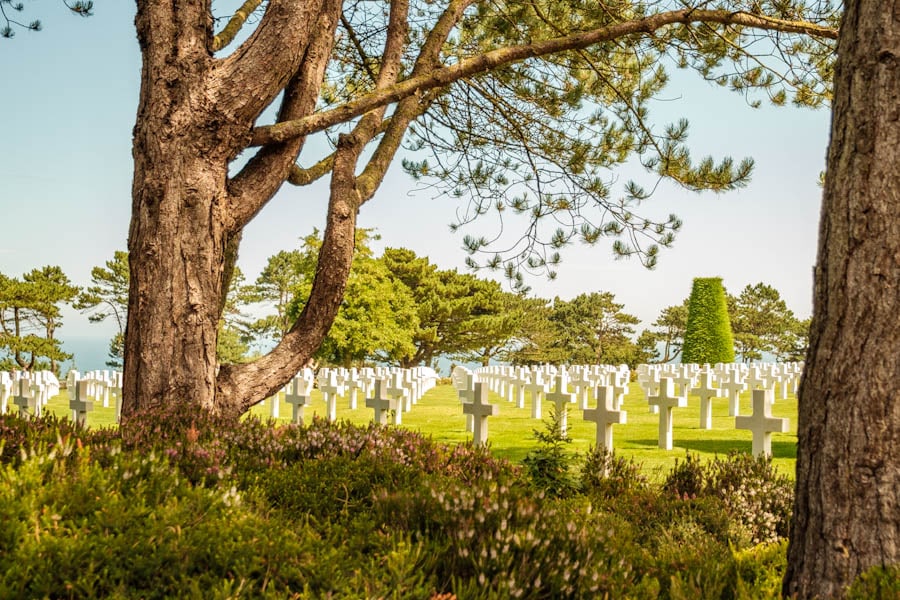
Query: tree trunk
847	507
195	115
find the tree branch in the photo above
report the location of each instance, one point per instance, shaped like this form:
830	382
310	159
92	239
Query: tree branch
496	58
411	107
264	174
246	384
300	176
354	39
247	81
234	25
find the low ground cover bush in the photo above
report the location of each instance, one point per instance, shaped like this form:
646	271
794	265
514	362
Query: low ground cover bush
171	505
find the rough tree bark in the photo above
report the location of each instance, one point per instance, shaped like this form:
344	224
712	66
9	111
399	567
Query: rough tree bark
847	509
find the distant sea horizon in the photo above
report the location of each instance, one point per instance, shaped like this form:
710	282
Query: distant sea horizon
89	354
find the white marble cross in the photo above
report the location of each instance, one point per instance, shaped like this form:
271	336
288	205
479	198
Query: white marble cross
733	387
6	388
80	403
353	383
28	405
605	416
684	380
330	389
706	391
380	403
536	387
619	382
560	397
480	409
583	387
466	394
298	393
762	423
400	393
666	400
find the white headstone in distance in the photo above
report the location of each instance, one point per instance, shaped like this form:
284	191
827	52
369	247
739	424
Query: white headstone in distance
536	387
561	397
381	403
467	395
80	403
352	384
583	388
398	392
330	389
605	416
6	387
666	400
480	409
23	399
298	393
706	391
762	423
733	386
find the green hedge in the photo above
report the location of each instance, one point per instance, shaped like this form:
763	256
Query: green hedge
707	337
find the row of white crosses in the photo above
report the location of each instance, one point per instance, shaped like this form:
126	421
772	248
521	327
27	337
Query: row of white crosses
721	381
103	386
515	383
383	388
29	391
607	385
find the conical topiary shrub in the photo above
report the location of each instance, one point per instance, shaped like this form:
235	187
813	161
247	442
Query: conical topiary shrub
707	336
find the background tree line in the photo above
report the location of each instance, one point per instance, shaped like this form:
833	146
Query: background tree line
401	309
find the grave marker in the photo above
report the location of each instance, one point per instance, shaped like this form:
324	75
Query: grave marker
560	397
605	416
706	391
24	400
734	386
80	403
762	423
398	392
381	404
330	389
666	400
536	387
298	393
480	409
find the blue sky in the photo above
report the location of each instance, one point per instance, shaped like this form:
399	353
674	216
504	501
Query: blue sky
68	104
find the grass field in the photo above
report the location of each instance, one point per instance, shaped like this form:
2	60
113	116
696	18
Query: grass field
439	415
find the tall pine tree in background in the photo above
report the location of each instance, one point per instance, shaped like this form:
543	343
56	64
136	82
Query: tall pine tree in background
707	336
30	314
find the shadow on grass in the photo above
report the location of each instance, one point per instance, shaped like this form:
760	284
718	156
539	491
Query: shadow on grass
723	447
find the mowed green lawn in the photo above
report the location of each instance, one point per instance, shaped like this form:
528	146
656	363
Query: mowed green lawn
439	415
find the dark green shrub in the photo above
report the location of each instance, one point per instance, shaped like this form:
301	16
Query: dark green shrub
686	479
759	571
549	465
707	335
18	434
137	529
497	540
605	475
758	499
